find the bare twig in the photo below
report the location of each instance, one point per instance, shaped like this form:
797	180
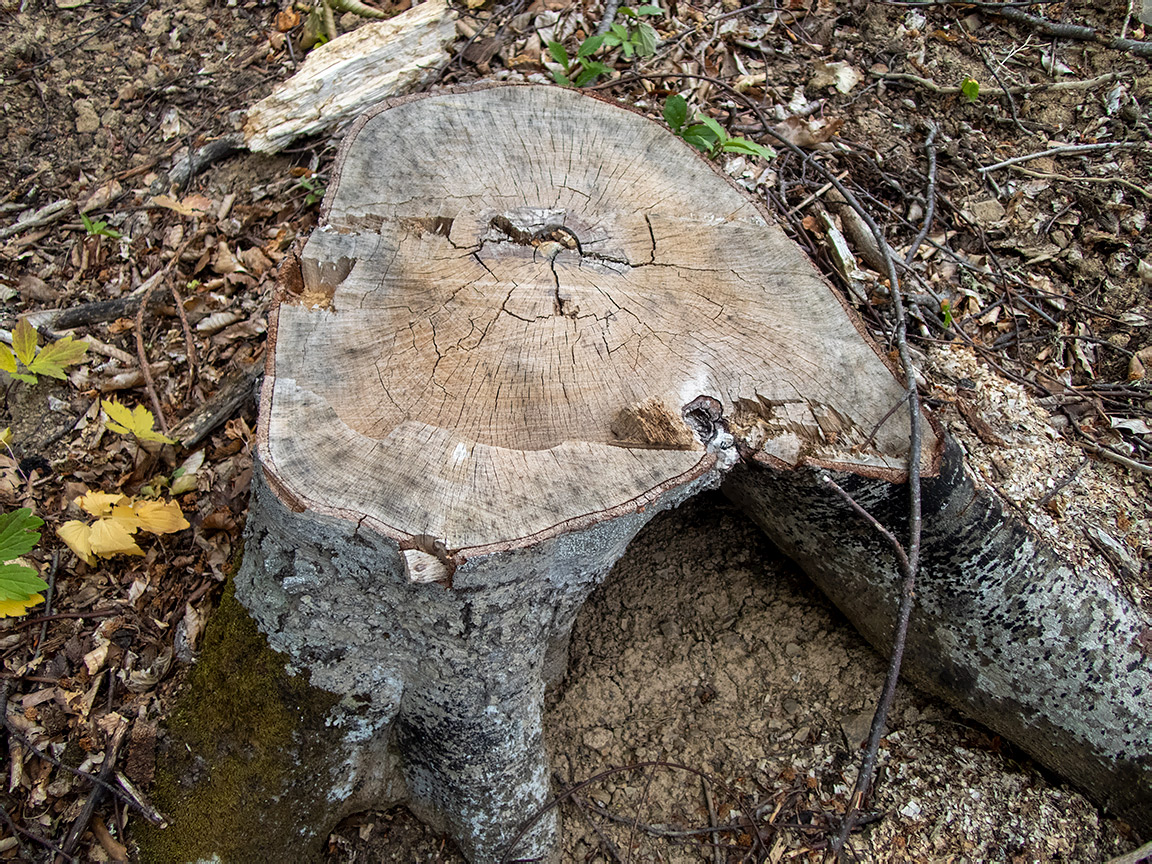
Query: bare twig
48	602
189	341
110	753
1136	856
929	196
1075	31
46	215
142	357
717	855
949	90
1065	150
1119	181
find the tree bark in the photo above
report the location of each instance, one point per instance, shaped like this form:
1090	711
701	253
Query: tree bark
1055	660
528	321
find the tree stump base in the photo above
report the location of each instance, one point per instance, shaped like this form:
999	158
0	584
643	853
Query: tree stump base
528	321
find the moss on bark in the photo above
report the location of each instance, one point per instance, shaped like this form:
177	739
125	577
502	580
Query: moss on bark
245	764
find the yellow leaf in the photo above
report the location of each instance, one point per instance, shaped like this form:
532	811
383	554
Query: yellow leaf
13	608
78	537
98	503
6	436
109	538
24	339
160	517
137	421
7	360
125	516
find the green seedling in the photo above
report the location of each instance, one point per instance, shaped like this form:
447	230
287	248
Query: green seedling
313	187
99	228
706	135
970	87
581	70
634	36
23	362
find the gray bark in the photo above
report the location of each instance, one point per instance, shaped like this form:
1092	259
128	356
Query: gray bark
454	675
1003	628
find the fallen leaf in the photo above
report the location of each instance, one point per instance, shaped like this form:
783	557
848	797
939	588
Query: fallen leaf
807	133
840	75
98	503
108	537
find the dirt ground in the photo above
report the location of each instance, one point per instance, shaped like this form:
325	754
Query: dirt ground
726	691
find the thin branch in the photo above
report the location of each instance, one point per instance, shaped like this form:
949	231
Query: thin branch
1065	150
40	754
1075	31
142	357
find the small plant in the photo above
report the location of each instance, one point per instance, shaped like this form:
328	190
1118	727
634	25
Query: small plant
635	36
49	360
581	70
706	135
20	585
99	228
970	87
118	517
313	187
137	422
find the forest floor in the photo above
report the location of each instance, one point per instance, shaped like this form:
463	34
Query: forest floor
723	696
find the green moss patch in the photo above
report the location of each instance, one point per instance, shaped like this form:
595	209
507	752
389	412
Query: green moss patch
243	769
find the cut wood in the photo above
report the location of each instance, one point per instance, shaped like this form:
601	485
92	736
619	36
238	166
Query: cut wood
342	78
524	326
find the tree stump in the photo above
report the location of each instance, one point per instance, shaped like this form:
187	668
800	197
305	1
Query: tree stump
530	320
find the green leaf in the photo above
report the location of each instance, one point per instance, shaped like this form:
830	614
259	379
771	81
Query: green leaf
699	141
18	582
645	39
24	339
626	11
590	46
970	87
19	534
629	49
616	36
676	112
649	10
714	127
561	79
55	356
592	70
743	145
946	307
559	54
25	377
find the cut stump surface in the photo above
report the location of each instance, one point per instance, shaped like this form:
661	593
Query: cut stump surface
530	320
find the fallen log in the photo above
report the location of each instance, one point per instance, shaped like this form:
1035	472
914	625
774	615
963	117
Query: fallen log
523	327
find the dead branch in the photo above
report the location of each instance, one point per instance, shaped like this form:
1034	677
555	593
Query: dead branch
1076	32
